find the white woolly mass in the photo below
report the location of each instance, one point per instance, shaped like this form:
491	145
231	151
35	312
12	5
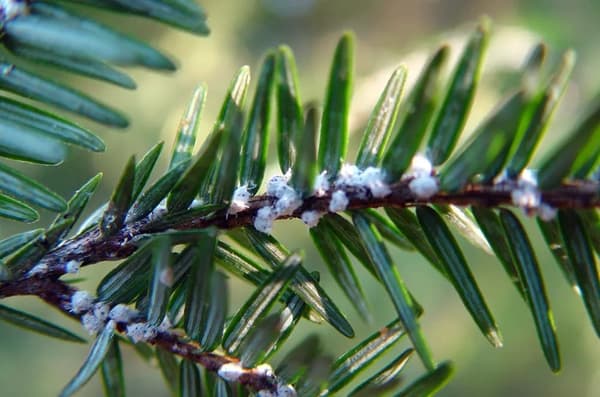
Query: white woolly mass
285	190
97	314
81	301
420	166
288	202
321	185
150	332
423	187
265	370
278	184
91	323
263	222
311	218
527	197
266	393
339	201
231	372
371	179
239	200
157	212
423	184
37	269
528	177
101	311
121	313
141	332
72	267
349	175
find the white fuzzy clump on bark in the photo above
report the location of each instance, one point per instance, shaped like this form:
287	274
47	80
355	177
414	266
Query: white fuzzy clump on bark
339	201
91	323
81	301
141	332
263	222
121	313
239	200
423	184
231	372
311	218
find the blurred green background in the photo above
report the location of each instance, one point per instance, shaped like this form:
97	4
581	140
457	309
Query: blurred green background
388	33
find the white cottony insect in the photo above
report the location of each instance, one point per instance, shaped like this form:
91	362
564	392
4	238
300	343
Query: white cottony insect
91	323
81	301
423	187
141	332
101	311
349	175
526	197
369	180
263	222
278	184
420	166
265	370
528	177
159	211
423	184
288	202
231	372
339	201
373	179
121	313
239	200
311	218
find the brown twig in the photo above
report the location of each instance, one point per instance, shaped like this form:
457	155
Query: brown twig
59	294
92	247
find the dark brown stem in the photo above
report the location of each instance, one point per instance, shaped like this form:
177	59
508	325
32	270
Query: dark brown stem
58	294
93	247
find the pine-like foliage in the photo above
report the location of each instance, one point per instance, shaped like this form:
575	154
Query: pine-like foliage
209	214
49	33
